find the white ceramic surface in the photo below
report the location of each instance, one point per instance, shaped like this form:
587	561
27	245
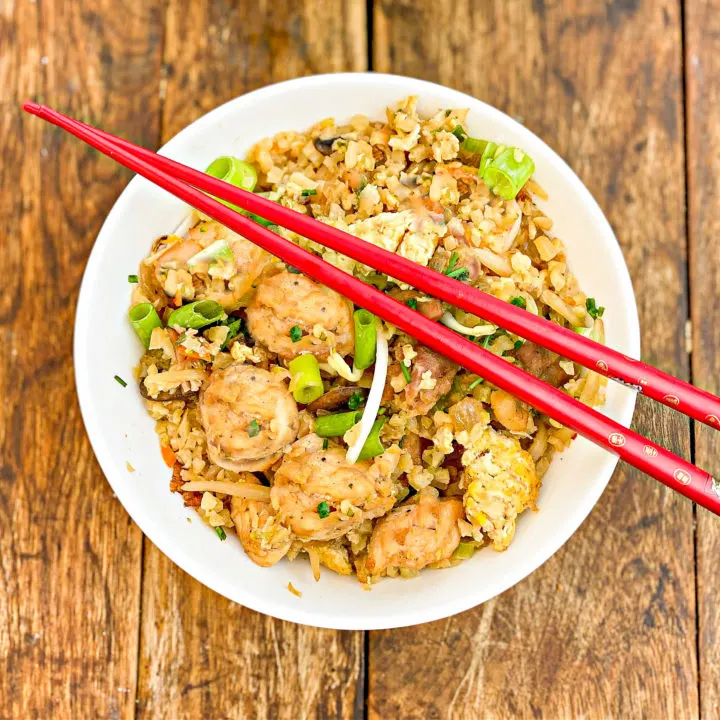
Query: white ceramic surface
121	431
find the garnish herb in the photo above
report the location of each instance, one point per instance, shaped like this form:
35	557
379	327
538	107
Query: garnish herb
253	428
120	381
518	344
356	400
411	303
295	333
405	371
326	442
519	302
593	310
133	279
323	509
221	533
309	192
293	270
458	273
474	384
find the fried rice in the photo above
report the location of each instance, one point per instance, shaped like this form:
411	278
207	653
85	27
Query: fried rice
456	460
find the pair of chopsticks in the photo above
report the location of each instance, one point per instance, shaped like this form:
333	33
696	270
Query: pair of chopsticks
188	185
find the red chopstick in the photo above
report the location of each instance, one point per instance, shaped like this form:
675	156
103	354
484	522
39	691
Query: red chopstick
656	384
673	471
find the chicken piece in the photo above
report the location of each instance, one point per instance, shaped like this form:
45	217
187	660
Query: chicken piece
541	363
264	539
320	496
501	483
249	416
415	535
424	389
510	412
289	300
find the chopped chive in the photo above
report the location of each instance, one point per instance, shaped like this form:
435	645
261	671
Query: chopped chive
411	303
519	302
308	192
120	381
461	274
487	339
405	371
326	442
457	273
593	310
518	344
382	411
253	428
221	533
356	400
323	509
474	384
295	333
133	279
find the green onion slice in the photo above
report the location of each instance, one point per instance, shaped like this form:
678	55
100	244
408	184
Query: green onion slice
197	314
405	372
488	154
133	279
365	339
221	533
144	319
507	172
373	447
307	383
473	145
119	380
232	170
336	425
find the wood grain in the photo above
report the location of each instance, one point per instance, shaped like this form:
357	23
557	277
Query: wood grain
607	627
201	655
69	555
702	22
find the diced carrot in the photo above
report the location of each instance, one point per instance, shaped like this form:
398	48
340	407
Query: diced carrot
167	455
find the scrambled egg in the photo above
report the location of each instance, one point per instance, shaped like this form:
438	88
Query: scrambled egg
502	483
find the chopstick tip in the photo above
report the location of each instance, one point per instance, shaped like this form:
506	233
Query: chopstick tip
32	107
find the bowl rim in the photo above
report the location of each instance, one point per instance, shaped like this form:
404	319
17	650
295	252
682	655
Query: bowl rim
155	532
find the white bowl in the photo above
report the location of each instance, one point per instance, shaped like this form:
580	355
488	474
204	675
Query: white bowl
121	431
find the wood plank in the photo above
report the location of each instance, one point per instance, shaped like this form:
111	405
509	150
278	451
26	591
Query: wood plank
69	555
607	627
702	23
201	655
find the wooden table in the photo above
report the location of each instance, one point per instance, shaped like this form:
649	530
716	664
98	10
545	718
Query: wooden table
95	622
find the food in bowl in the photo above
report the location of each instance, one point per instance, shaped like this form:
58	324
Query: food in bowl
309	427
